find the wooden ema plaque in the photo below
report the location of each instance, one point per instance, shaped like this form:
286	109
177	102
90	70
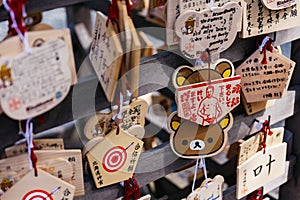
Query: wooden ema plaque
214	30
135	55
56	162
146	45
43	186
259	20
13	46
32	84
134	114
213	190
251	146
279	4
176	7
252	174
261	82
254	107
106	55
114	158
39	144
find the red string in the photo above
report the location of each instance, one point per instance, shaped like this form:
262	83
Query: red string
256	195
267	47
31	146
34	159
17	7
129	8
266	130
131	189
113	12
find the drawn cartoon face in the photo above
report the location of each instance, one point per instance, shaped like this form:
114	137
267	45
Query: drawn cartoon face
5	76
209	91
98	128
191	140
189	26
6	184
97	125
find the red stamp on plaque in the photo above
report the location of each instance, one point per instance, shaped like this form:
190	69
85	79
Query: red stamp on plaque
215	99
14	104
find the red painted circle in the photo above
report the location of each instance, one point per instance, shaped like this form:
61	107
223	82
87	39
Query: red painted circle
114	159
37	195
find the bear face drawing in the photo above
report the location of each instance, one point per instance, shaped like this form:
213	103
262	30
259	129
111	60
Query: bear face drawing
191	140
189	26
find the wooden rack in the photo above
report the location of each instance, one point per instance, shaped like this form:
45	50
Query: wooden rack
63	122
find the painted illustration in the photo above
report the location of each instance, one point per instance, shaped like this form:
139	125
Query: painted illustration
209	108
98	128
202	101
6	183
5	77
189	26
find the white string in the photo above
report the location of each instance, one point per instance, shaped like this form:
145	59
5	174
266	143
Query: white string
203	166
195	175
266	39
24	37
199	62
29	139
259	125
119	114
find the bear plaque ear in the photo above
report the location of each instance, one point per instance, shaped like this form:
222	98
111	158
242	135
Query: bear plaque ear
174	122
225	68
180	75
227	122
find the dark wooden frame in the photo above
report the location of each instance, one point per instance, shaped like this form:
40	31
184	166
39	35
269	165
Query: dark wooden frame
61	121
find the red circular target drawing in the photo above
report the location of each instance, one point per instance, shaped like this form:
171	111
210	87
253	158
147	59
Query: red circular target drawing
114	159
37	195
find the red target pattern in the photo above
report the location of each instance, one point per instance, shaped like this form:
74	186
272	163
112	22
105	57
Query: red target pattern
37	195
114	159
